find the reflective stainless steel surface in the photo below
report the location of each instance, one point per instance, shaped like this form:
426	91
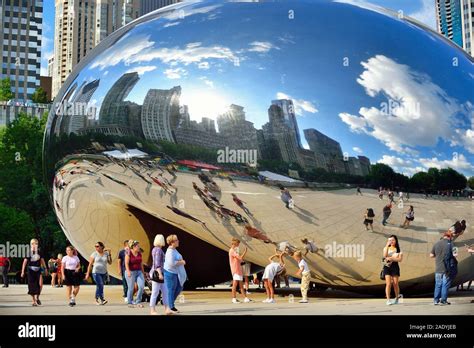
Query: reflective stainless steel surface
183	95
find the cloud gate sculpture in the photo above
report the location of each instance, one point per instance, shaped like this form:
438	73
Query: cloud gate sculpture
191	119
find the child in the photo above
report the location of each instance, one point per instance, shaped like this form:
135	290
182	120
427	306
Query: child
270	272
305	275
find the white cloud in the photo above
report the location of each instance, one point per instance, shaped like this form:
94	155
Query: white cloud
140	69
175	73
394	161
357	149
458	162
300	104
143	50
207	82
423	114
426	14
261	46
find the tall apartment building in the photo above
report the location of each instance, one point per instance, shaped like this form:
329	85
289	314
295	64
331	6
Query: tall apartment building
147	6
448	19
21	29
81	25
467	16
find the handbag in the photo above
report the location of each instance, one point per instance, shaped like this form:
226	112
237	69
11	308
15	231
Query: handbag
156	277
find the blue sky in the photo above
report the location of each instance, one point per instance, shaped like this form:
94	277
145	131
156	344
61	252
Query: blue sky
270	57
422	10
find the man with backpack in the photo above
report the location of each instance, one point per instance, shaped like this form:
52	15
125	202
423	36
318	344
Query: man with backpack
445	268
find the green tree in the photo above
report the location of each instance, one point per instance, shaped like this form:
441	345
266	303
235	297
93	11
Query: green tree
21	180
471	182
421	181
39	96
450	179
381	175
5	89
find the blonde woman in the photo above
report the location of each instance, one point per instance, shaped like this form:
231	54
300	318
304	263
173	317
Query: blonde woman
175	273
33	265
157	276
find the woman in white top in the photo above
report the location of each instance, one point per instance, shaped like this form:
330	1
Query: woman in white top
71	272
270	272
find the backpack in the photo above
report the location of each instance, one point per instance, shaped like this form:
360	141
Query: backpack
450	263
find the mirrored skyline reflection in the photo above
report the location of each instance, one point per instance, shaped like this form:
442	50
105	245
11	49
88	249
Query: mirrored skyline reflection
380	86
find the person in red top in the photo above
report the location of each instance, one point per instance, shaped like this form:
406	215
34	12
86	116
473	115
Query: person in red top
5	265
235	261
241	204
135	273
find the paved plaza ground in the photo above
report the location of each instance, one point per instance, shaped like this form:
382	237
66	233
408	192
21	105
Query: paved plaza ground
216	301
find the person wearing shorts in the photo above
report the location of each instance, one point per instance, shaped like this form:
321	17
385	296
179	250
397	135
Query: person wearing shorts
71	272
271	271
235	261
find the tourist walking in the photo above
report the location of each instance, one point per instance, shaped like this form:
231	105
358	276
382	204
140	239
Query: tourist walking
392	256
53	270
303	271
442	252
72	274
309	246
241	204
175	273
135	274
409	217
5	265
98	263
235	262
32	266
121	268
271	270
369	219
387	210
157	276
59	271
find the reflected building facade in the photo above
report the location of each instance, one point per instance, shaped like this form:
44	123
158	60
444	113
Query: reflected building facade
160	114
240	133
329	150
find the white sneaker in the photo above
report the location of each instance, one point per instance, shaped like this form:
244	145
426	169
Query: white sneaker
125	300
271	301
247	300
303	301
266	300
248	293
234	300
389	302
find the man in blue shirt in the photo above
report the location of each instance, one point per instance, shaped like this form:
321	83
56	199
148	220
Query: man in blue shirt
121	267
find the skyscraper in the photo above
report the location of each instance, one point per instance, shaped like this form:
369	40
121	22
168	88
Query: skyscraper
110	110
241	134
147	6
289	116
449	20
329	148
160	114
21	29
467	15
81	25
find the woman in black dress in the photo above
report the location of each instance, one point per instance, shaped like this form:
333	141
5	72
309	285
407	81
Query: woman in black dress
33	264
